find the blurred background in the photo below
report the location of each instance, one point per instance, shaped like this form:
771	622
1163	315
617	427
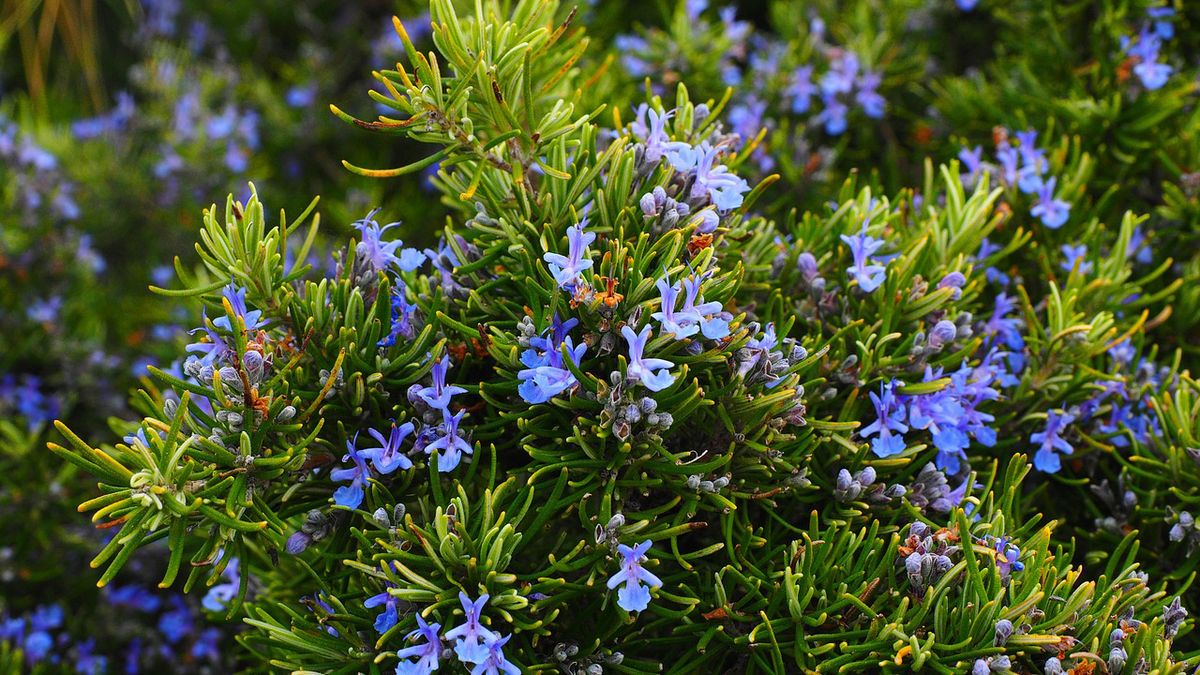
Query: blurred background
120	120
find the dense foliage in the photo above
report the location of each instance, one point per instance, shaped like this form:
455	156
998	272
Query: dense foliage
831	336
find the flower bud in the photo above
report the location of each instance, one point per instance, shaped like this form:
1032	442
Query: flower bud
1004	630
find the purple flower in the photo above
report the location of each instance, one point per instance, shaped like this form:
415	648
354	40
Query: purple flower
1075	255
832	115
633	596
1053	212
45	311
88	662
714	322
496	662
427	653
301	96
680	324
839	79
547	375
438	394
236	296
471	635
108	123
390	615
1153	74
450	443
872	103
351	496
1046	459
643	369
567	269
207	645
1139	249
868	275
653	133
1006	154
725	189
388	456
135	597
801	89
176	624
402	317
89	256
1007	555
1162	16
382	255
220	595
889	423
972	161
212	346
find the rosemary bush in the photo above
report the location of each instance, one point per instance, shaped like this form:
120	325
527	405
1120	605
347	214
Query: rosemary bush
676	388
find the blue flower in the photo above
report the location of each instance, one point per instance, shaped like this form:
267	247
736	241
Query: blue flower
832	115
389	456
869	276
971	160
390	615
178	623
1162	16
220	595
1075	255
889	423
725	189
108	123
1046	459
236	296
839	79
207	645
45	311
402	317
471	635
643	369
548	375
714	323
1033	162
1052	212
88	662
1145	50
801	89
1007	555
681	325
567	269
449	443
132	596
381	255
351	496
438	394
301	96
633	596
872	103
496	662
1153	74
427	654
1007	156
653	134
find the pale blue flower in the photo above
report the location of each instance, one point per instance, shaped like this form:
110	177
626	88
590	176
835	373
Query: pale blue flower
652	373
633	596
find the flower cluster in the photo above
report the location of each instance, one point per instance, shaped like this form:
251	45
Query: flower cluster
36	180
1022	167
1144	49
